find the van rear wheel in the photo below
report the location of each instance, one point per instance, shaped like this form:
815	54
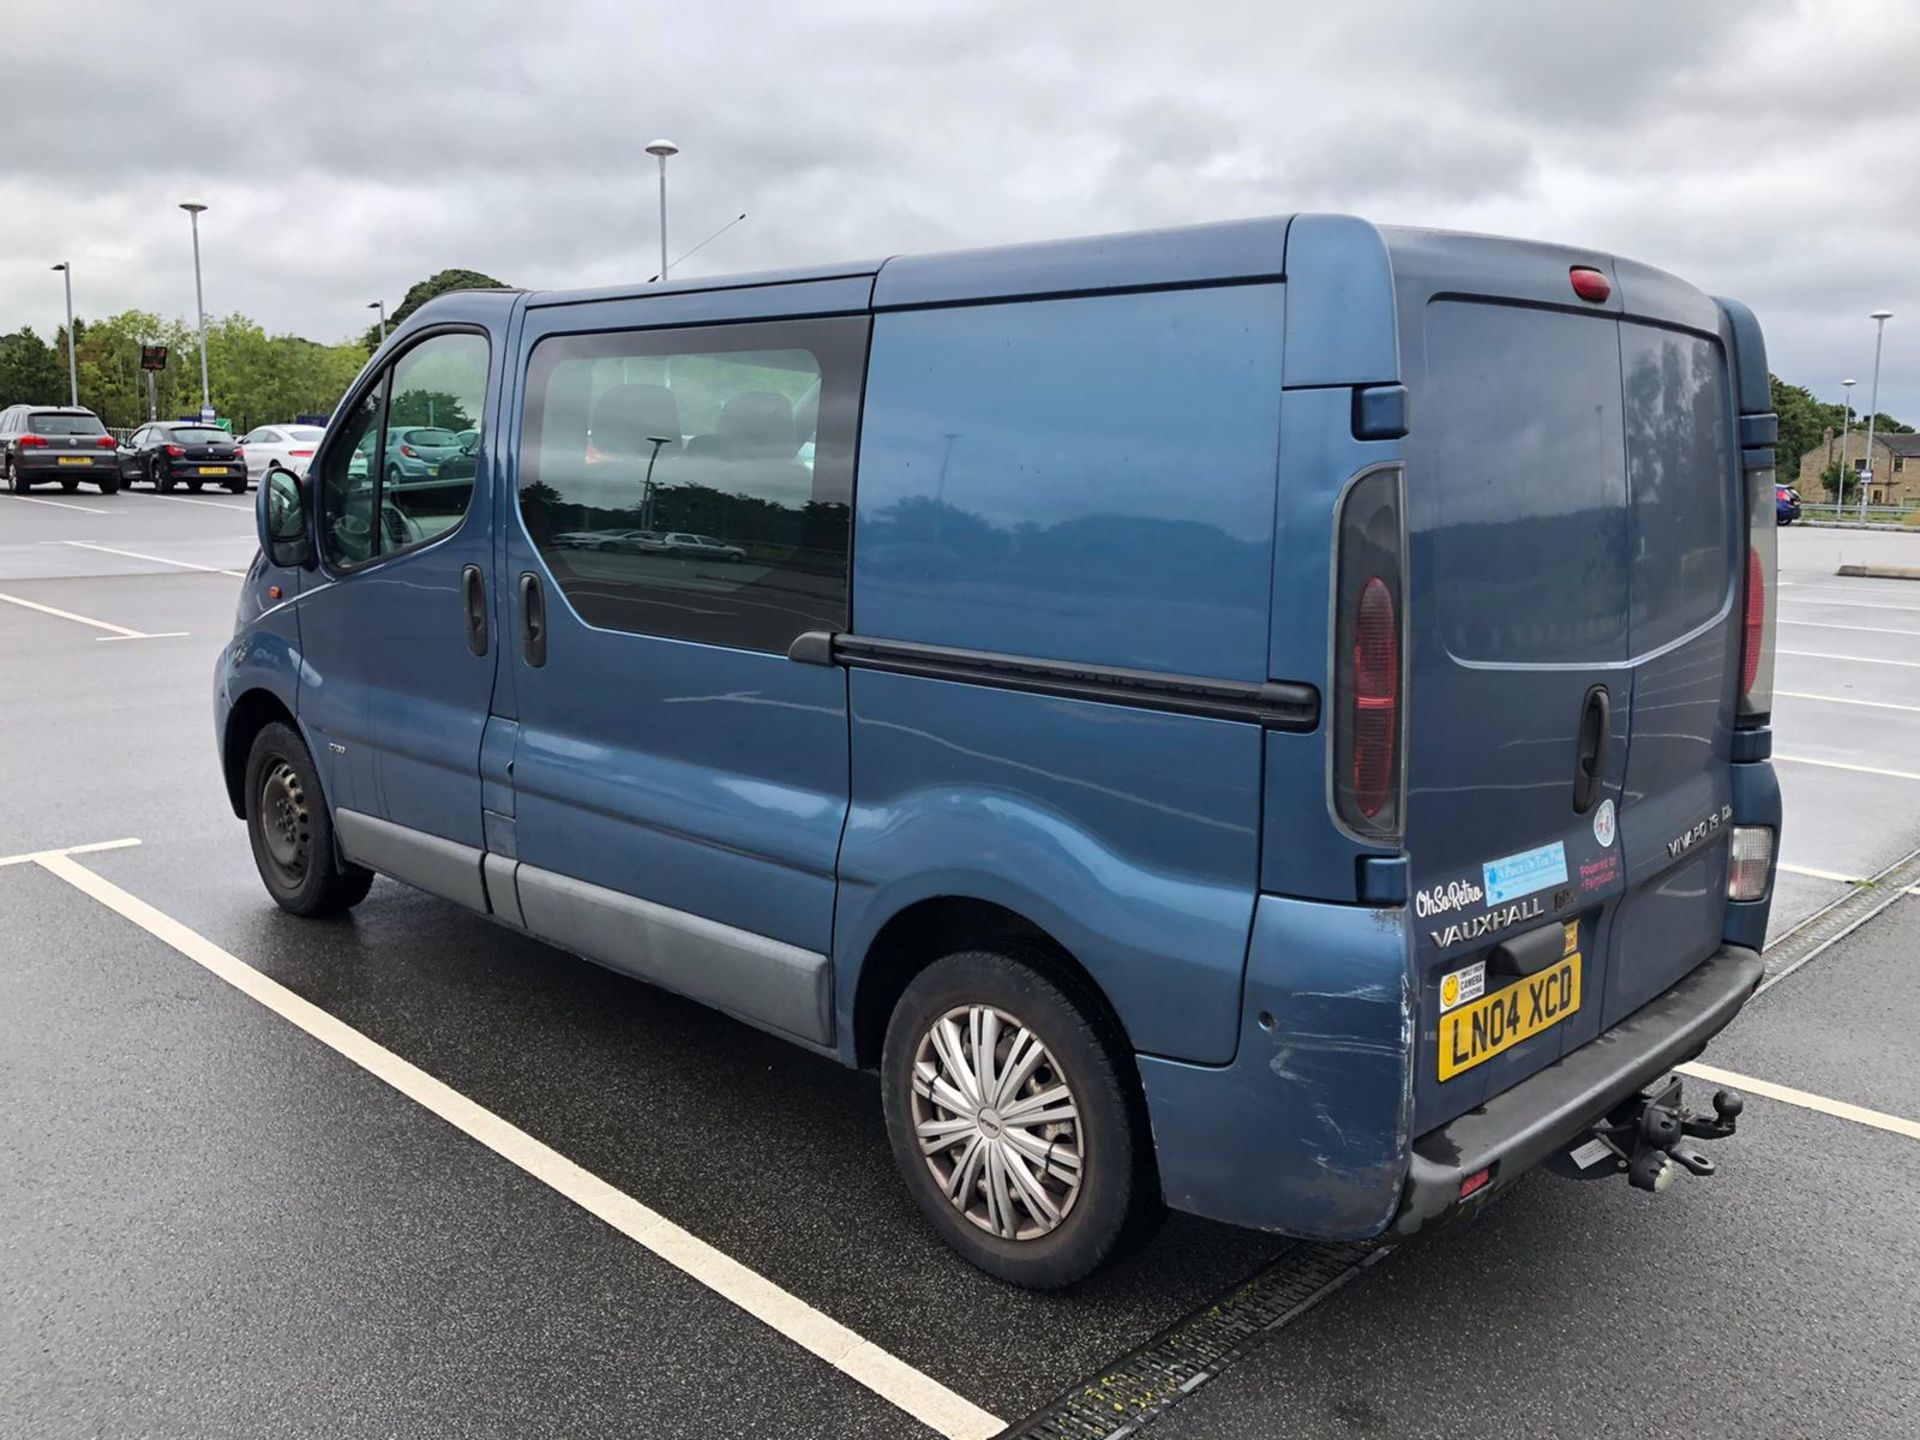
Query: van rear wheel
1010	1120
291	831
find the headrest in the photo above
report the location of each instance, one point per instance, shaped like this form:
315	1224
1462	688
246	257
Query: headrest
628	418
758	423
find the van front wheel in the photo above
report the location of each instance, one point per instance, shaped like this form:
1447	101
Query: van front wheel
291	831
1010	1120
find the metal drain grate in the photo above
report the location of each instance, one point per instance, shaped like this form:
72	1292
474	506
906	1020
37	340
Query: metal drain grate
1134	1391
1840	919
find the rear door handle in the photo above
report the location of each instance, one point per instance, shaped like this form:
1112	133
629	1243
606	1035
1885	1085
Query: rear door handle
533	620
473	601
1590	762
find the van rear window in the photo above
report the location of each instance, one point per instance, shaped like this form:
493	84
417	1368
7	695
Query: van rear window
1520	450
1680	468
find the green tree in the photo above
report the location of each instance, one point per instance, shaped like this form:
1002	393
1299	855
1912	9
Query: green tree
427	289
32	372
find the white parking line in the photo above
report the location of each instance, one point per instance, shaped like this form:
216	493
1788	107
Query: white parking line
1850	604
120	632
1787	1095
32	855
1861	629
1813	874
942	1410
1844	700
156	559
1863	659
190	500
1843	765
57	504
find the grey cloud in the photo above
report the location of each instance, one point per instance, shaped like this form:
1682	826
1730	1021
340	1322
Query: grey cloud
349	150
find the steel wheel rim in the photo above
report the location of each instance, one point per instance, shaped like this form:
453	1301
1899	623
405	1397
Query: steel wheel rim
285	825
997	1123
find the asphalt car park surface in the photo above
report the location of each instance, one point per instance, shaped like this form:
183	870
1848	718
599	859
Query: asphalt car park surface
215	1222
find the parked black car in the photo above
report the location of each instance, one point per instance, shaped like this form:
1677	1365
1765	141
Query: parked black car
176	452
40	443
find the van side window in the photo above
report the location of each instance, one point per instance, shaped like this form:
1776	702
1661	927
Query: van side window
695	483
397	476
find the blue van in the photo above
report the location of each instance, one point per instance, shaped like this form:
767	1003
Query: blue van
1268	719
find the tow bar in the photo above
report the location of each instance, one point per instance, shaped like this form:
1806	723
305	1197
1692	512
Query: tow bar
1646	1135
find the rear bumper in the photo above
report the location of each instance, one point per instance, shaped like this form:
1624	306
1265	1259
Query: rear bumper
42	465
1522	1126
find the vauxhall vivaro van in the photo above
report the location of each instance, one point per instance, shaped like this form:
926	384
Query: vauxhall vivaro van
1266	718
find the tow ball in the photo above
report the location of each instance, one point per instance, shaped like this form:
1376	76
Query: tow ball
1647	1137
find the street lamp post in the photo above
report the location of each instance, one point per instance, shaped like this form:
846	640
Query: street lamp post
381	306
73	366
194	209
662	149
1846	419
1879	318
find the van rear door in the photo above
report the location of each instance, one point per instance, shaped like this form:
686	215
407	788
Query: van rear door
1570	548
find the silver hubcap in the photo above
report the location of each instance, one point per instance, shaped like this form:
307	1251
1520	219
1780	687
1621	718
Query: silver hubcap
997	1123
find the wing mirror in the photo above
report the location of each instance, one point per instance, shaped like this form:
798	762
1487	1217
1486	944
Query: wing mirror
280	516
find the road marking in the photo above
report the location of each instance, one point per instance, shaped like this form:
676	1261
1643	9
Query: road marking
942	1410
1814	874
57	504
156	559
1829	764
1863	659
191	500
1787	1095
1860	629
32	855
1845	700
1857	604
120	632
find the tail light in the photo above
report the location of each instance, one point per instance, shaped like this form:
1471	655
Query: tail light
176	451
300	454
1749	862
31	442
1368	713
407	450
107	442
1758	617
239	452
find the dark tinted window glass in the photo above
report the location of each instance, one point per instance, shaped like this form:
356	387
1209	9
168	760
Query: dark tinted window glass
695	483
199	435
65	425
1680	466
1520	453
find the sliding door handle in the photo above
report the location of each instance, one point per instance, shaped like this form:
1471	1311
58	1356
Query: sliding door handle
533	620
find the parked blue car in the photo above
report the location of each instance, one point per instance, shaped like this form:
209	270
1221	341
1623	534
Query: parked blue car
1786	504
1268	719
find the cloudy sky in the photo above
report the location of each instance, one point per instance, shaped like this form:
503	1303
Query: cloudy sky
1762	150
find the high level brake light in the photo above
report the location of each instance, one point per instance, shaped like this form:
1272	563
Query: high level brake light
1368	718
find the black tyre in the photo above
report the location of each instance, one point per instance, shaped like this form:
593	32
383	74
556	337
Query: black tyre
195	485
291	831
70	486
109	484
1045	1162
163	480
236	487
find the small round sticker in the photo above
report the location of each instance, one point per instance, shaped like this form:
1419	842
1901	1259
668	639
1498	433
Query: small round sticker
1603	823
1450	991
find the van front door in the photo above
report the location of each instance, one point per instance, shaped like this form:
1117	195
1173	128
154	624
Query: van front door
685	467
399	662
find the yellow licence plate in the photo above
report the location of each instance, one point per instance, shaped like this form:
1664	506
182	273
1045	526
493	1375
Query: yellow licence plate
76	460
213	469
1475	1033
